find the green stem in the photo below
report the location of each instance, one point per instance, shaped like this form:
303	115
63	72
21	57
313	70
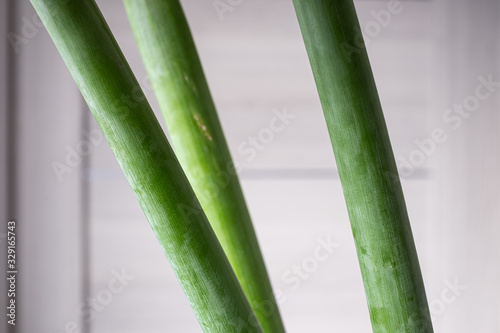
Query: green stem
170	57
386	251
149	164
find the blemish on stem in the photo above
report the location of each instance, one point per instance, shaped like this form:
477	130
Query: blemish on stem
191	84
202	126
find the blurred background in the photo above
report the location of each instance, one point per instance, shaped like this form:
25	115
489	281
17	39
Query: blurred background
87	259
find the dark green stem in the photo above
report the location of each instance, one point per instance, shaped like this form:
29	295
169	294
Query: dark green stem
379	220
149	164
170	57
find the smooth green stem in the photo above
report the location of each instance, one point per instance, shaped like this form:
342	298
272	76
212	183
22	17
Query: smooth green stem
148	162
170	57
379	220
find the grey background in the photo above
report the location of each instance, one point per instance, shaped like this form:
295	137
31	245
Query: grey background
73	234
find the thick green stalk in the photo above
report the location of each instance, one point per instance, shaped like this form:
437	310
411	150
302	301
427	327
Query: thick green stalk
170	57
148	162
386	251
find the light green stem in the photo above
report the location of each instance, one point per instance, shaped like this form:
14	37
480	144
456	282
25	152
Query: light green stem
379	220
149	164
170	57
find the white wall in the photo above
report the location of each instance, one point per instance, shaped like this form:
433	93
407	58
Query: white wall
426	59
48	113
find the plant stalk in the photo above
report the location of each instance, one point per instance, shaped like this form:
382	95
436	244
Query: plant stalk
177	77
386	251
113	94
